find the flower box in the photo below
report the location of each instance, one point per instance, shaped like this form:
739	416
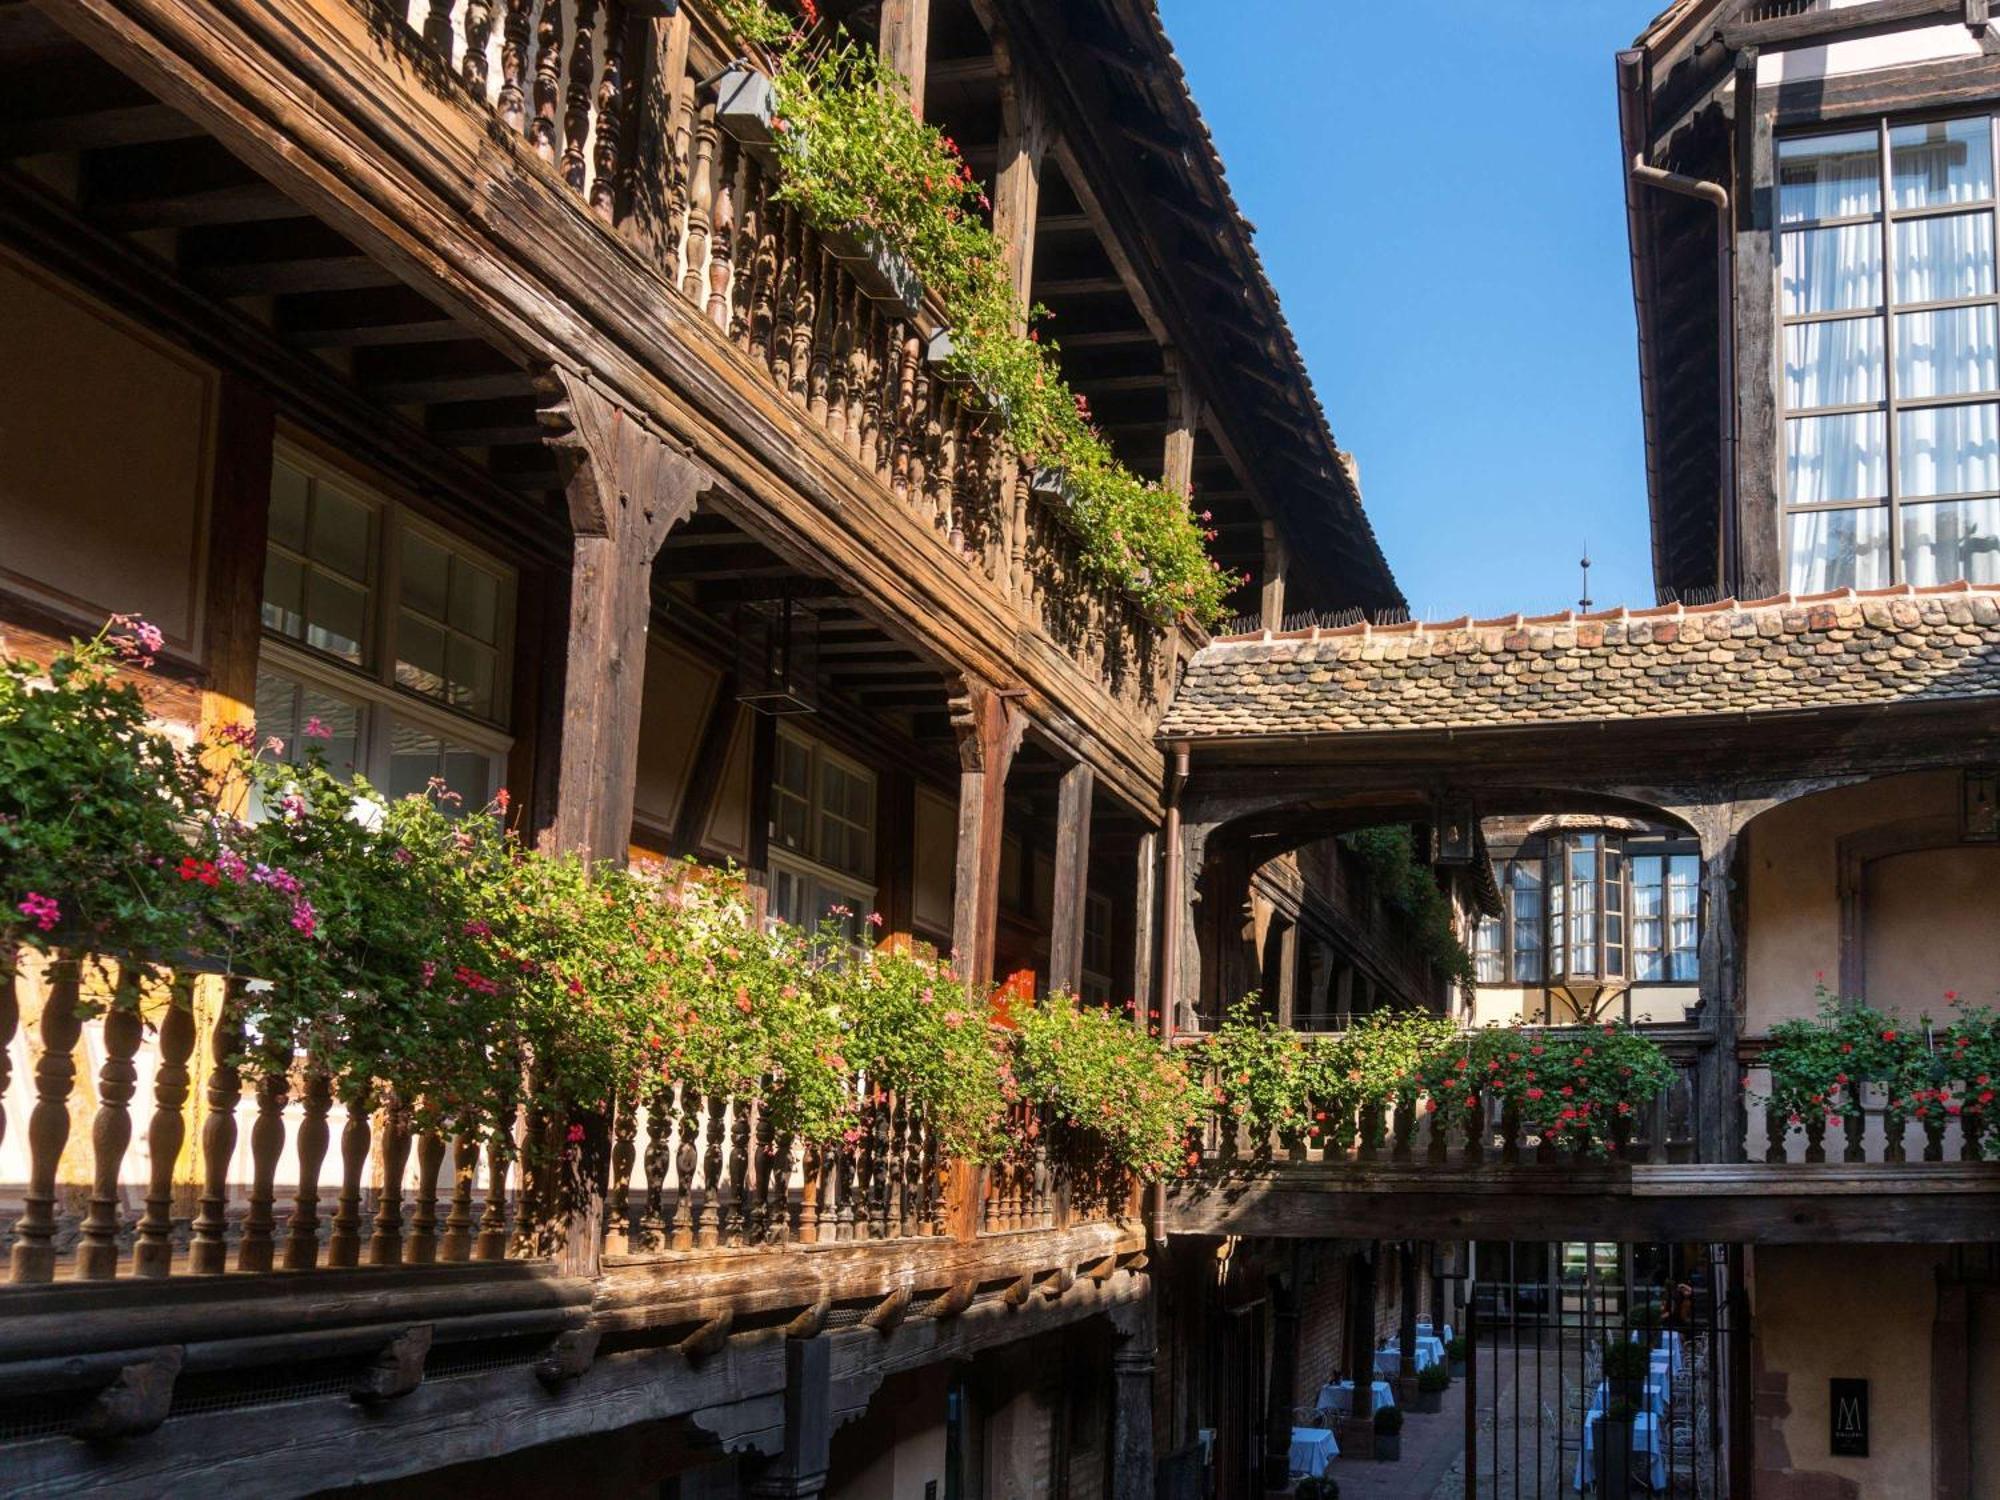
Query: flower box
744	106
1054	483
882	274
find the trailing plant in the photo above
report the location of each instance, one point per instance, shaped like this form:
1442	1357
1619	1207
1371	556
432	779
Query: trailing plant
1819	1064
1263	1077
1389	854
1968	1060
94	803
1101	1073
1433	1378
1582	1090
856	159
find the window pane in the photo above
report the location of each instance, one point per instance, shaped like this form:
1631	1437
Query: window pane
284	595
414	758
475	602
340	532
470	774
1947	353
1836	549
288	506
1835	458
336	615
794	769
470	668
1831	270
1943	161
277	706
1948	450
1947	542
1829	176
420	664
1834	364
1938	260
426	581
1489	961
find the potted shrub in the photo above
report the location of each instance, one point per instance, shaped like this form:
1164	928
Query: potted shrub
1626	1365
1388	1433
1432	1382
1320	1488
1457	1351
1614	1451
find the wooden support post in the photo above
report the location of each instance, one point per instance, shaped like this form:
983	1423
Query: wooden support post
1719	1135
1285	995
1072	876
905	43
1017	178
233	622
1132	1359
1183	422
1271	598
627	486
1283	1392
1406	1326
1175	915
1145	924
989	725
799	1470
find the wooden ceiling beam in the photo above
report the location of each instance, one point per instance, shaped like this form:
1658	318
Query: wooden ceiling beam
361	319
88	129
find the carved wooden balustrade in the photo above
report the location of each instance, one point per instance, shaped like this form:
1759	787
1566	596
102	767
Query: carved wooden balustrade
1053	1178
631	125
1879	1133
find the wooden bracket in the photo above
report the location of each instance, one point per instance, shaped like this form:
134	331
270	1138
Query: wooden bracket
709	1338
1102	1270
888	1314
808	1323
1057	1282
1017	1294
622	479
398	1369
955	1300
569	1356
136	1402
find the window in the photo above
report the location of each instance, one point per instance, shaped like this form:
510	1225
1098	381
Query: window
822	835
391	635
1096	986
1621	908
1891	355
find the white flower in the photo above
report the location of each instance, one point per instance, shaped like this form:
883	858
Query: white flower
368	813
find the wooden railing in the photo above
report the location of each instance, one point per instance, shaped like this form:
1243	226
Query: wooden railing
1053	1179
1877	1134
646	153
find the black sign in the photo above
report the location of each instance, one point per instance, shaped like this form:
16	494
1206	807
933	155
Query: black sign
1847	1416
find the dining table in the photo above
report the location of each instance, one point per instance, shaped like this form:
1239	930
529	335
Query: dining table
1336	1398
1311	1448
1647	1446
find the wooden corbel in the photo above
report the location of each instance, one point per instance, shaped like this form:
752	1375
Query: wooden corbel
808	1323
572	1353
1101	1271
136	1402
621	478
398	1369
1017	1295
888	1314
709	1338
1058	1282
955	1299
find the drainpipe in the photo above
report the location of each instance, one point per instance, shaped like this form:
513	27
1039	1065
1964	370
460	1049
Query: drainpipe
1631	112
1173	915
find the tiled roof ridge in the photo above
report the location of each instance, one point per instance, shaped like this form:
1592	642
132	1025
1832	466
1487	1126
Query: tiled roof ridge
1465	623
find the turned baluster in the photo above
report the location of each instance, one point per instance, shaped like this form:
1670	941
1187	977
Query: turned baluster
701	205
1854	1126
761	299
686	1156
1816	1135
812	1182
422	1249
1403	1134
758	1228
1510	1132
1969	1123
846	1177
153	1250
805	311
658	1159
577	102
944	472
840	408
343	1247
302	1230
708	1215
256	1250
207	1247
722	243
1475	1130
778	1192
908	354
457	1242
385	1243
784	296
437	27
621	1232
478	33
827	287
111	1132
48	1122
1894	1124
736	1203
1018	503
866	395
510	103
548	80
1776	1128
10	1021
934	1179
605	189
492	1241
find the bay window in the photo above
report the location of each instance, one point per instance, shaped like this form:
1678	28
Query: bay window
1890	341
389	635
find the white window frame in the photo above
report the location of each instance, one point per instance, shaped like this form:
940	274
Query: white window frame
836	886
372	684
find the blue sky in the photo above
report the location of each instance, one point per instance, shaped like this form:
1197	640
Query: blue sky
1437	193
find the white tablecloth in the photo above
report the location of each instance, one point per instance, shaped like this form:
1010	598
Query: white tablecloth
1430	1351
1311	1448
1655	1399
1670	1345
1646	1449
1424	1326
1337	1399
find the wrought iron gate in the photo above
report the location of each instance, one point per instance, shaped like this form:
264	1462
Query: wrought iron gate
1540	1322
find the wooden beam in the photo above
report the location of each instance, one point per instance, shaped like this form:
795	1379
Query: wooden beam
989	725
1145	930
85	129
239	513
1017	178
904	43
1271	591
1081	286
1072	880
1184	417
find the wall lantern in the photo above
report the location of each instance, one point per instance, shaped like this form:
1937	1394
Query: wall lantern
777	656
1979	809
1586	945
1456	825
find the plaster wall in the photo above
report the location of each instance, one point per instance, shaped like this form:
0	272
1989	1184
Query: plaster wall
1851	1312
898	1448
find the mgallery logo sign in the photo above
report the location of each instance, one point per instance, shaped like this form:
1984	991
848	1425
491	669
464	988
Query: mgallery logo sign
1848	1408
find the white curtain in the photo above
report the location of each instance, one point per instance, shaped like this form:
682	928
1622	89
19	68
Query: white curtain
1947	450
1951	540
1950	352
1835	549
1836	458
1940	162
1829	177
1833	364
1944	258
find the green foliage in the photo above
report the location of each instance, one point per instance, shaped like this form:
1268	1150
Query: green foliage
92	803
1388	1421
1103	1074
855	159
1261	1070
1625	1360
1433	1378
1457	1349
1316	1488
1818	1065
1390	856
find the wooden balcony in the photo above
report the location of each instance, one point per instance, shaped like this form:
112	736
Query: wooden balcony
1683	1171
